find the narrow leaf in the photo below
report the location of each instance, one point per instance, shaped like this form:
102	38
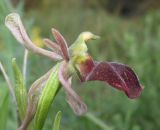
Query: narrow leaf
19	90
117	75
9	83
33	98
57	120
46	98
4	110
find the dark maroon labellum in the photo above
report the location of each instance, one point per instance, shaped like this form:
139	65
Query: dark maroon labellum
117	75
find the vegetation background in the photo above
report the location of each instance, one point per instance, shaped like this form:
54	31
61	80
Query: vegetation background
130	34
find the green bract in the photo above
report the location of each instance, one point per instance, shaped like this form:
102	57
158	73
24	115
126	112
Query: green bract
19	90
46	98
57	120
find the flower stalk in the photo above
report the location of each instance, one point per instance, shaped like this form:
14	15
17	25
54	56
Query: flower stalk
25	63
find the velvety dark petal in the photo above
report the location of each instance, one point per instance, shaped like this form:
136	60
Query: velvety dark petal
62	43
85	67
73	99
117	75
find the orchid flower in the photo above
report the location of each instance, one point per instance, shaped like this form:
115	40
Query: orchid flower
76	59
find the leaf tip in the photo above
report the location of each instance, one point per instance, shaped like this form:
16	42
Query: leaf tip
13	60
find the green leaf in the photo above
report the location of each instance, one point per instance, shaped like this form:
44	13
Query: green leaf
19	90
57	120
34	94
4	109
49	92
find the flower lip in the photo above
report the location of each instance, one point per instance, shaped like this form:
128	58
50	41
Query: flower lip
118	76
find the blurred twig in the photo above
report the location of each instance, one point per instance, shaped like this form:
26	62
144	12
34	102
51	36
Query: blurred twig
25	64
98	122
8	81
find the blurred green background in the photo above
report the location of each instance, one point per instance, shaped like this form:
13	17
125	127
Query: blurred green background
130	34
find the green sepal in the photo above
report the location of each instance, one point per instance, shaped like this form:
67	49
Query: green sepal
19	90
57	120
48	94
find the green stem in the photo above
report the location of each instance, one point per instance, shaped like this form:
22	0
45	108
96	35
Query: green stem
98	122
25	64
9	83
